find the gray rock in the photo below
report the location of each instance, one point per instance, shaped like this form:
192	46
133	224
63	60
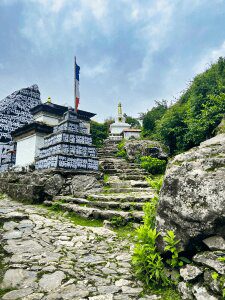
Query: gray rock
81	184
135	148
190	272
215	243
185	291
192	199
210	259
201	293
122	282
50	282
213	284
110	289
131	291
102	297
54	184
23	246
15	278
14	234
34	296
72	291
9	225
17	294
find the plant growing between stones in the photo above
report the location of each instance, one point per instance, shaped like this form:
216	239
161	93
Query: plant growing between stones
155	183
172	248
153	165
148	263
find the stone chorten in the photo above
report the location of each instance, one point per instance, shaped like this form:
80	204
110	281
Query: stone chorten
117	128
68	147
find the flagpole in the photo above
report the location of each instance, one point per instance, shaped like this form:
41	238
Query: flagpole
75	82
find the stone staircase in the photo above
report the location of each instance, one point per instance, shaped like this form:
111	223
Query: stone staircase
124	193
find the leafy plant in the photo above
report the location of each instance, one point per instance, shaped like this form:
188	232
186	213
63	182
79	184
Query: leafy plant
155	183
150	209
215	276
121	150
172	248
153	165
148	263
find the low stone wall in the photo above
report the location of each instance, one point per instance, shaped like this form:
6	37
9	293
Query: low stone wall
38	186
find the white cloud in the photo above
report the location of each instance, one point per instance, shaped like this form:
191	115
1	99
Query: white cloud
158	22
210	57
101	68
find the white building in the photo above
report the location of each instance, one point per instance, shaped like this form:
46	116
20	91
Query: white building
131	133
117	128
30	138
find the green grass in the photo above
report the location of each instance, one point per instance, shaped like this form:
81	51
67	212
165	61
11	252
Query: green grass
166	293
3	292
106	178
77	220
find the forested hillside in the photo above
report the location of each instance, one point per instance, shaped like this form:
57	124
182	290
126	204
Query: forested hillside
195	116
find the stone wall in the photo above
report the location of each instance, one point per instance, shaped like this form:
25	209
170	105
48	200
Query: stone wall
37	186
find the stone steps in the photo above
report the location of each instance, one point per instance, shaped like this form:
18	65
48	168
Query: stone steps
129	197
96	213
123	171
127	190
127	183
126	177
104	205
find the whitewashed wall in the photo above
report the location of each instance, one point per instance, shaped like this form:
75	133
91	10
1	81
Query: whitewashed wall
49	120
28	148
128	135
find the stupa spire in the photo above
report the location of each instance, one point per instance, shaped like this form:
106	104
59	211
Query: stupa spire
120	112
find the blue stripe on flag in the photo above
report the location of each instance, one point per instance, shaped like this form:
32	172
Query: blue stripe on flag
77	72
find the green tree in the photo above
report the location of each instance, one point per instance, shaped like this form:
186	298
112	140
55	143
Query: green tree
132	121
197	113
152	116
99	132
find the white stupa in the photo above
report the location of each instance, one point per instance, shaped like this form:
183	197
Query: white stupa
117	128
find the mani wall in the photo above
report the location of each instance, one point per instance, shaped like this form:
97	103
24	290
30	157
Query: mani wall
15	110
14	113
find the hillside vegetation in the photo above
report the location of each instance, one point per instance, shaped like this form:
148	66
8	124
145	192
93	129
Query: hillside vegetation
194	117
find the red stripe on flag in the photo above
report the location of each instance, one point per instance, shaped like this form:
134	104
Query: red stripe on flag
77	103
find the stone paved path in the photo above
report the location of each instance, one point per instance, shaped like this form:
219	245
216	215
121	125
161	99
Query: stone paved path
48	257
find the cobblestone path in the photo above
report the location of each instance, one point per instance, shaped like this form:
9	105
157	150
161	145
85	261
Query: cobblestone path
45	256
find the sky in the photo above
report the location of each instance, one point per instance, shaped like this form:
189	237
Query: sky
133	51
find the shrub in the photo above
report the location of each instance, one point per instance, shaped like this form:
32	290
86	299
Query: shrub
153	165
121	150
155	183
148	263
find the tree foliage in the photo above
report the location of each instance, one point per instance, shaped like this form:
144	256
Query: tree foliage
132	121
99	132
151	117
196	114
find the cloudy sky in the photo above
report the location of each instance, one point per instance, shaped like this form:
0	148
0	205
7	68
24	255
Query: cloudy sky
137	51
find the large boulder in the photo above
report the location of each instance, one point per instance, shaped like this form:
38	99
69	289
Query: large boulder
192	199
136	148
85	184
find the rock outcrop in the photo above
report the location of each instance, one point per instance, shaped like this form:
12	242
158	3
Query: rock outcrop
192	199
37	186
135	148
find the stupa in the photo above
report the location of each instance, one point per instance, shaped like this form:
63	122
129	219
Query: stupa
68	147
117	128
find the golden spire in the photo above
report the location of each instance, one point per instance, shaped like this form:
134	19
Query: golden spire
49	100
120	109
